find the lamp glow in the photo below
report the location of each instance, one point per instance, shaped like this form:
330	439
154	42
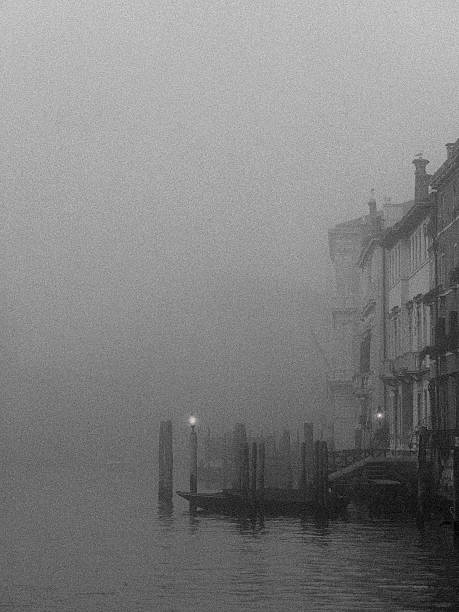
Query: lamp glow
379	415
192	421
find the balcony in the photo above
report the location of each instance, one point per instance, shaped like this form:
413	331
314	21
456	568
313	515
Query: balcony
445	439
363	383
454	277
408	362
452	340
408	365
340	376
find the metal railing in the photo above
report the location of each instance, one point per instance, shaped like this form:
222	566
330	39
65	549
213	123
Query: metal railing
343	458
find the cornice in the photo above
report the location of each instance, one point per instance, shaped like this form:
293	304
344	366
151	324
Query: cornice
417	213
368	248
446	169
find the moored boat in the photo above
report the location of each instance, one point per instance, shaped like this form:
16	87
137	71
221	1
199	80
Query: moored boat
271	502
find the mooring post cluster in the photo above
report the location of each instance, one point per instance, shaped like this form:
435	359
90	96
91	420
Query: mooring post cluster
321	474
246	466
166	462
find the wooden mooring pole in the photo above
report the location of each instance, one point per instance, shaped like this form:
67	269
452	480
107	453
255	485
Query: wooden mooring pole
245	470
239	439
325	496
321	474
165	484
422	477
193	464
308	429
456	490
261	470
286	460
253	472
303	468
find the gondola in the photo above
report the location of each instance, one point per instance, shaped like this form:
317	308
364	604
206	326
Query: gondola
278	502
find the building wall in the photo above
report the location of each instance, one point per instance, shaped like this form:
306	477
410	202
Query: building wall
407	334
344	242
445	305
369	386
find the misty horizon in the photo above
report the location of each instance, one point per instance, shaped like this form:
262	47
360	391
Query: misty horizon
169	176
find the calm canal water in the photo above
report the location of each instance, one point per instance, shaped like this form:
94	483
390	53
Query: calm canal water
72	540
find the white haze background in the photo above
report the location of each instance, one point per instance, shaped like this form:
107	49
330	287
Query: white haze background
168	174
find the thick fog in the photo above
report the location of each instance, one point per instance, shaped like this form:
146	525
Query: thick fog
169	172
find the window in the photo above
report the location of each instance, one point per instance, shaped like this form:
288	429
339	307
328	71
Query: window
418	324
365	354
424	326
442	270
419	407
411	327
440	333
396	335
453	331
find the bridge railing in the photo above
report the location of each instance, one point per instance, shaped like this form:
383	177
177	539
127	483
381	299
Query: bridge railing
337	460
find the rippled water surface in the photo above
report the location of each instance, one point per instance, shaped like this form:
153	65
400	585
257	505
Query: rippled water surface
80	541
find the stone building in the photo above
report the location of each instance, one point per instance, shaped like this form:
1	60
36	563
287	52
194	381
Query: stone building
368	386
407	318
345	240
444	302
355	387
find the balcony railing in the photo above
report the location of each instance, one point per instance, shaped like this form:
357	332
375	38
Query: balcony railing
408	361
454	277
341	376
445	439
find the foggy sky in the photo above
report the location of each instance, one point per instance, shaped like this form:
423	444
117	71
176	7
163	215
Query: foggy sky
169	172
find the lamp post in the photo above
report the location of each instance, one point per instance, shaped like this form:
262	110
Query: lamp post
193	459
379	434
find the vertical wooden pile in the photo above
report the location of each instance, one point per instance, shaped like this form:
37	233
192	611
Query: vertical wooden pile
422	477
193	465
253	472
272	467
165	485
456	490
308	432
303	483
285	461
240	459
227	462
261	471
321	475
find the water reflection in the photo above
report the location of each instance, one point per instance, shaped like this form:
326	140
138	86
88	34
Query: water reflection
147	557
165	513
193	522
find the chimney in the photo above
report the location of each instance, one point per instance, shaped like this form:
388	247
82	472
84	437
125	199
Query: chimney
374	221
421	179
450	149
372	204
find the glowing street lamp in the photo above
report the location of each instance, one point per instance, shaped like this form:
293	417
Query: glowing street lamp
193	461
379	415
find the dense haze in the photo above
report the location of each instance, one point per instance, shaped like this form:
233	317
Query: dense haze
169	172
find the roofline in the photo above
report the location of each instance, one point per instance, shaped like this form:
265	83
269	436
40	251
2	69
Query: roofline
417	213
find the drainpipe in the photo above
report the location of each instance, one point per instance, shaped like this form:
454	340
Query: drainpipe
384	329
436	414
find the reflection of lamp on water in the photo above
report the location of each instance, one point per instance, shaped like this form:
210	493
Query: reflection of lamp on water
193	459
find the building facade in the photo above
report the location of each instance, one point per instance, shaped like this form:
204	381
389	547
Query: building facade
395	319
368	385
406	373
344	245
444	303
